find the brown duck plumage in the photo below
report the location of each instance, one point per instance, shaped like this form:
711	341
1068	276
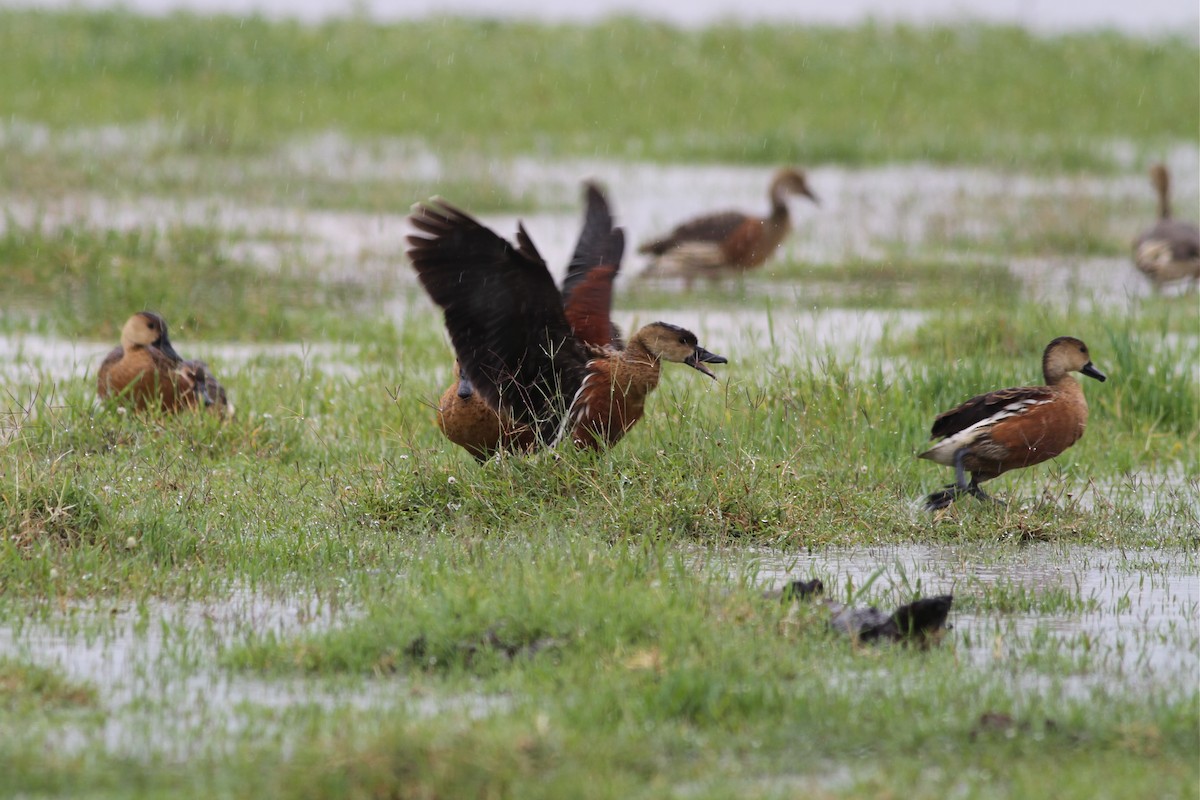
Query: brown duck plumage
145	371
728	240
1013	428
1170	249
515	343
464	417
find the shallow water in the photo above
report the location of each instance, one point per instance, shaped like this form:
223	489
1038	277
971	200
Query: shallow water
888	213
163	691
28	359
1133	618
1129	622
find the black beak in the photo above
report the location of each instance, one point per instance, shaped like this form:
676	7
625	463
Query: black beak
164	346
202	393
1090	370
700	357
808	193
465	389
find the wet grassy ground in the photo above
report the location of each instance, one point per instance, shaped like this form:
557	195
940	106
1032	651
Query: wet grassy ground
321	599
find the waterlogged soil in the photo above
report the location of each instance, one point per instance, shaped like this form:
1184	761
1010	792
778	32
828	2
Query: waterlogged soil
155	667
875	214
1116	622
1127	621
1119	621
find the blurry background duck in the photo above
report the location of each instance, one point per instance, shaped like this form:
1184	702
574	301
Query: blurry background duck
1013	428
145	372
462	414
516	345
1170	249
729	241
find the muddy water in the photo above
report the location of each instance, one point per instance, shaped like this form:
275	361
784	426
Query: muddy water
29	359
1131	619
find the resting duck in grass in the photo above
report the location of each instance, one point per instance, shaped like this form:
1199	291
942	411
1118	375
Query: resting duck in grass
730	240
146	372
1013	428
1170	250
516	345
464	417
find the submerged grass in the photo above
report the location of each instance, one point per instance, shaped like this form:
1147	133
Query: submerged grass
620	88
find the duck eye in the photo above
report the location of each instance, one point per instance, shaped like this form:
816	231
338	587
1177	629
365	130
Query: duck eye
683	340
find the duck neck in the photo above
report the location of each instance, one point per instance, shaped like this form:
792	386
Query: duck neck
1063	382
1164	198
636	369
779	209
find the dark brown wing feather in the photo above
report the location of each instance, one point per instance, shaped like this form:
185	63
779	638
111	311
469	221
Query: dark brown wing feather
503	312
588	286
980	408
709	228
600	243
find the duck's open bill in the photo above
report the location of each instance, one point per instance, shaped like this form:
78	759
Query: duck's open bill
698	359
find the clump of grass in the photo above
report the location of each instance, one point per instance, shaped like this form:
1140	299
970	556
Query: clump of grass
51	511
25	687
86	282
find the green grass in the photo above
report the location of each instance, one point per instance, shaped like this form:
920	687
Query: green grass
25	687
622	88
322	598
79	281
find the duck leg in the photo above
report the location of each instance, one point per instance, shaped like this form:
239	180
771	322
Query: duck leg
945	496
975	491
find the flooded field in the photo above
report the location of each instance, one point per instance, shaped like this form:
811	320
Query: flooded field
323	587
1138	612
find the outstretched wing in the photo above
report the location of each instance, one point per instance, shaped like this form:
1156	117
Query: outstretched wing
587	289
503	313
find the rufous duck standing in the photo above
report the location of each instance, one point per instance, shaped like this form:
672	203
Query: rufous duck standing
728	241
1013	428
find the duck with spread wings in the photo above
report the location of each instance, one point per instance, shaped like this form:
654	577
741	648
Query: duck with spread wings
516	345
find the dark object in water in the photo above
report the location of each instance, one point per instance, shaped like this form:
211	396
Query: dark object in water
919	621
